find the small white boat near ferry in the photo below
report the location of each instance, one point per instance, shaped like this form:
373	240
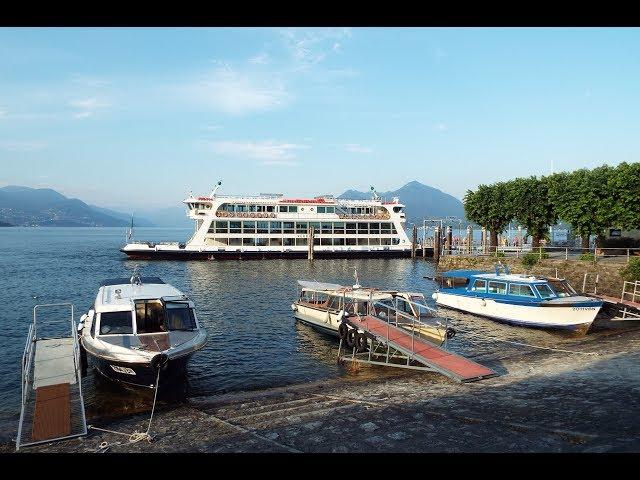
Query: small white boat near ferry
517	299
138	326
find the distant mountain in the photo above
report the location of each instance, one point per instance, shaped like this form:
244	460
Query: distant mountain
5	224
422	201
25	206
137	220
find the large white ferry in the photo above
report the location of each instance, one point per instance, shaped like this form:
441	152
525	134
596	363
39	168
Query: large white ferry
272	225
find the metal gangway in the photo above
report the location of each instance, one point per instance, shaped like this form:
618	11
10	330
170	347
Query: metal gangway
386	335
52	406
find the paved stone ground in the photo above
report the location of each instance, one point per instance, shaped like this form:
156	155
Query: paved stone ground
545	401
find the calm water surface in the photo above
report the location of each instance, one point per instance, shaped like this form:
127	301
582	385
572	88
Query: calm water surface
253	339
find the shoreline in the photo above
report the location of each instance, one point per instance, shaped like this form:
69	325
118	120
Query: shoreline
543	401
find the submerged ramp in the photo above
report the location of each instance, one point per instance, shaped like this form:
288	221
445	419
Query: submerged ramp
414	348
52	404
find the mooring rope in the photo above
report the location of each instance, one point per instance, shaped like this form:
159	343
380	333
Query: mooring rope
135	436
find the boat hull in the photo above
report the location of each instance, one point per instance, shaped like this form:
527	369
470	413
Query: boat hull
141	375
184	254
556	317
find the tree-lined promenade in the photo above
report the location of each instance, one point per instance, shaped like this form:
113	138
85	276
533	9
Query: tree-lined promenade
589	200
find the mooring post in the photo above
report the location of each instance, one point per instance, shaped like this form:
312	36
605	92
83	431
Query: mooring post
469	239
310	235
483	239
414	241
447	242
436	245
424	239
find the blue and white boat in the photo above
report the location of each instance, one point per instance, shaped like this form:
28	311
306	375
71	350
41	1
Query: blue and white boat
517	299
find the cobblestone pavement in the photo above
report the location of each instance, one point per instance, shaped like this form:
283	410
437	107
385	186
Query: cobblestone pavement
544	401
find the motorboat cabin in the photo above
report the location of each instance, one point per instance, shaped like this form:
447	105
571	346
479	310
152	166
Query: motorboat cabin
137	326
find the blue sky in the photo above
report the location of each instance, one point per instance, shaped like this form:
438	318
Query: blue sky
136	118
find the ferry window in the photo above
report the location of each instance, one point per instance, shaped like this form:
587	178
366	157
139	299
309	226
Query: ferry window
374	228
301	242
261	242
253	208
288	227
248	242
351	228
276	227
334	303
545	291
363	228
521	290
321	209
350	241
315	226
393	230
150	317
385	228
498	287
112	323
235	242
397	209
330	210
326	241
288	242
235	227
385	241
326	227
301	227
479	286
241	208
275	242
293	209
404	306
222	227
395	241
262	227
374	241
282	208
363	241
338	241
248	227
269	208
338	228
180	317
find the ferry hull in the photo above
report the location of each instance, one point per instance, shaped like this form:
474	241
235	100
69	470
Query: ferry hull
259	255
578	319
321	320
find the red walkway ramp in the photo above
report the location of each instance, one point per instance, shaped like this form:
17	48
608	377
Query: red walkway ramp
414	348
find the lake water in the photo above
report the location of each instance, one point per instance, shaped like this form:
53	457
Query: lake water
253	339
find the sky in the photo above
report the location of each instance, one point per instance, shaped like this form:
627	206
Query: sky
138	117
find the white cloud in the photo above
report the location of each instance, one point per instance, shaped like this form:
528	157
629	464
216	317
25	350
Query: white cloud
233	92
22	146
355	148
87	107
261	59
273	153
311	46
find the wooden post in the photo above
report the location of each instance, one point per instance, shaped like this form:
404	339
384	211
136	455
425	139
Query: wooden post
469	239
483	239
424	239
310	237
436	245
447	240
414	241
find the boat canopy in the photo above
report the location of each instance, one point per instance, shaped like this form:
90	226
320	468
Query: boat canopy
462	273
319	285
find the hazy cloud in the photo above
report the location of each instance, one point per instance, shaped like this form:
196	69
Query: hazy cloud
87	107
355	148
273	153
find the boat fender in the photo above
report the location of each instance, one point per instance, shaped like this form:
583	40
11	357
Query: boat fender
343	330
434	295
293	307
450	333
484	302
159	361
361	342
351	337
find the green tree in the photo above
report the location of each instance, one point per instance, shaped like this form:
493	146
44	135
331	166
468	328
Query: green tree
585	199
532	206
625	186
489	206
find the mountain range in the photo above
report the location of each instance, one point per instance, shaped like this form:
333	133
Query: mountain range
421	201
25	206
